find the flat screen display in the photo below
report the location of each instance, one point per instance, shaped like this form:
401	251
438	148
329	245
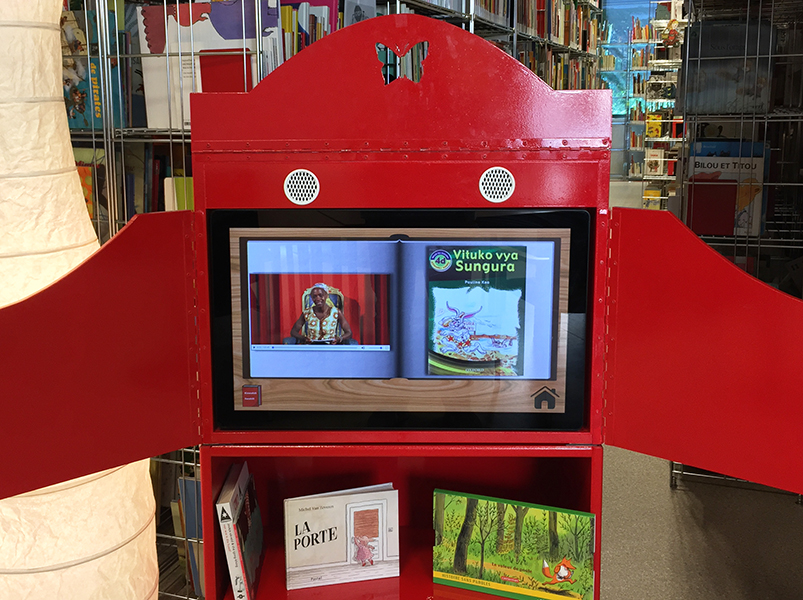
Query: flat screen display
403	327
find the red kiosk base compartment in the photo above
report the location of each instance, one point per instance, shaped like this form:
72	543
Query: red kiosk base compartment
567	473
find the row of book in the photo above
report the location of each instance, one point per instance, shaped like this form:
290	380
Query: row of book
150	177
639	84
560	70
640	59
495	11
214	47
607	62
663	123
209	46
642	32
573	25
486	544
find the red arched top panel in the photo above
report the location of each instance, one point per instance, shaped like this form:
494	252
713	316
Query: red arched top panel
407	144
470	91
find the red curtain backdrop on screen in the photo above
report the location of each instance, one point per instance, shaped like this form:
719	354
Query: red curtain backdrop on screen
276	304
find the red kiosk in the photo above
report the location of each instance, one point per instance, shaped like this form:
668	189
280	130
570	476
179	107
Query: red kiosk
328	144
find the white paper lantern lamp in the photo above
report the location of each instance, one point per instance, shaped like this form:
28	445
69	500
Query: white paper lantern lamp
92	537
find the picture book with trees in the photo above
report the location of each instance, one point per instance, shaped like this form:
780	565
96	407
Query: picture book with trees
512	549
341	536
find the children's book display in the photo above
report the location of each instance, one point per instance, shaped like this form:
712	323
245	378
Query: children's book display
81	71
187	31
512	549
242	530
726	191
336	537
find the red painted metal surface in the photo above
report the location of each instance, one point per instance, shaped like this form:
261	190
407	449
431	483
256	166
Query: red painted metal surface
88	363
470	91
404	144
703	362
415	181
396	146
585	436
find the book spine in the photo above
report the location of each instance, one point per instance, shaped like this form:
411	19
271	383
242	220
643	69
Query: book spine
234	555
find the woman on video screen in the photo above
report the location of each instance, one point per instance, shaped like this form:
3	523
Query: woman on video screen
325	323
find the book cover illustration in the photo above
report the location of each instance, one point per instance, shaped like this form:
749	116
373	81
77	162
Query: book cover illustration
342	536
512	549
242	530
409	311
185	31
83	94
75	68
654	162
726	194
476	310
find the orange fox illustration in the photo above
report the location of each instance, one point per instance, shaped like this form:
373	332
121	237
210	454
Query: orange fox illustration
561	574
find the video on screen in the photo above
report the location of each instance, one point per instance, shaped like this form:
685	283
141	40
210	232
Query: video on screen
400	308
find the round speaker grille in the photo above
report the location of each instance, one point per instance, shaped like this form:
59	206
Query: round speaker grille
497	184
301	187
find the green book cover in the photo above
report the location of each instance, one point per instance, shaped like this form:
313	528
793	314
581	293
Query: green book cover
476	310
512	549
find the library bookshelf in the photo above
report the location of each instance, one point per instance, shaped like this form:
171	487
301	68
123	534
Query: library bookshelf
653	290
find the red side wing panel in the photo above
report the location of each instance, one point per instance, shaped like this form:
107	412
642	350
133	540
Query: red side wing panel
703	361
98	369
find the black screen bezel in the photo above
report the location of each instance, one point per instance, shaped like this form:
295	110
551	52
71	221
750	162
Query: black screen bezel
226	418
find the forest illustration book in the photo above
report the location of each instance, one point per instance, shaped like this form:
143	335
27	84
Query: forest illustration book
513	549
341	536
